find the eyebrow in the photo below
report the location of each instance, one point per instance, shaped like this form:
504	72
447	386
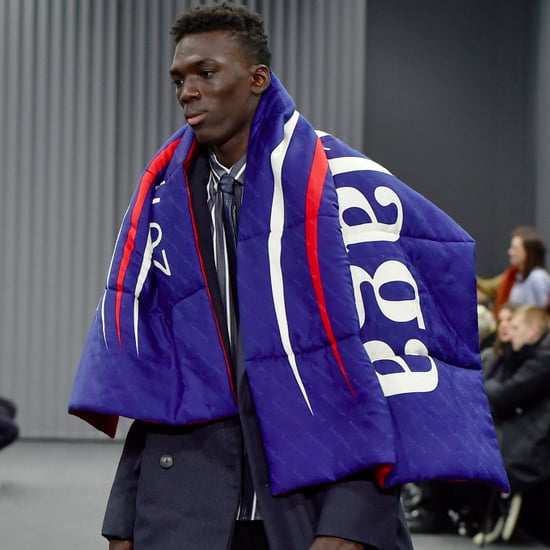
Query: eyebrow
195	64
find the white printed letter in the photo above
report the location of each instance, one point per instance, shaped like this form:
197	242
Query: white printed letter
405	381
164	266
350	197
390	271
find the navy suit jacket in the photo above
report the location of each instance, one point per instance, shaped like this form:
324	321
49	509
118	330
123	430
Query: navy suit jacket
178	487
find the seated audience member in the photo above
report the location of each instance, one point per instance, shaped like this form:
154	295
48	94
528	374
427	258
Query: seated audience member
519	397
9	430
493	356
526	281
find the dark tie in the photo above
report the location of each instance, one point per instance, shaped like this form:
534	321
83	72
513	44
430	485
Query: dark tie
230	220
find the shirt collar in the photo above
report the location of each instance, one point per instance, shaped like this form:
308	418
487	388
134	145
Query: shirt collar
218	169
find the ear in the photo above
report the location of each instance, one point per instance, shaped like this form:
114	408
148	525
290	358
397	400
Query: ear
260	79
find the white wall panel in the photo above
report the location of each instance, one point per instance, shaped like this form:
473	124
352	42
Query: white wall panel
85	100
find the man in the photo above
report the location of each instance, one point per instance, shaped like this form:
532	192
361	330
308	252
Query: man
520	402
251	386
518	395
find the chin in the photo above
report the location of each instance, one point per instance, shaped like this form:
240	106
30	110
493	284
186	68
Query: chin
204	137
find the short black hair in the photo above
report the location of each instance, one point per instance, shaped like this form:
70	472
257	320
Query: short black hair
245	25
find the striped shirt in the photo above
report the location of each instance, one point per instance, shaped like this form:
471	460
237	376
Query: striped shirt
248	508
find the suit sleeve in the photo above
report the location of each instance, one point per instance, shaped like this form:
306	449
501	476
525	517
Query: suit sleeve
357	509
121	507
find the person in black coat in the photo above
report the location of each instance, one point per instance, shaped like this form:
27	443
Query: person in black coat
518	389
519	395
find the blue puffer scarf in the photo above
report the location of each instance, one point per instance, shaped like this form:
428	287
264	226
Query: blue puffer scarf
357	301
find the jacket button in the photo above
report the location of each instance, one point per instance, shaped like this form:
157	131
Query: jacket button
166	461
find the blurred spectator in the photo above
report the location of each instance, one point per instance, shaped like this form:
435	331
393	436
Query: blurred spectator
492	356
519	395
9	430
526	281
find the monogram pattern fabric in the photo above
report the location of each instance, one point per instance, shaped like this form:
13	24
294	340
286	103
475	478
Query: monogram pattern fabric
357	304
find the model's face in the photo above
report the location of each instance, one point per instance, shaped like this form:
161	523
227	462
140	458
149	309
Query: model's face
218	90
517	252
503	325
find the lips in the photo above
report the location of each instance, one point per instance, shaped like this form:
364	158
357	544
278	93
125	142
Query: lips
195	118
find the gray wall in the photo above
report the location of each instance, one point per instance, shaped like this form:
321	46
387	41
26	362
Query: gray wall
85	100
449	109
451	95
541	92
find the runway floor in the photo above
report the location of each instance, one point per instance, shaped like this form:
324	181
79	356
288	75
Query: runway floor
52	496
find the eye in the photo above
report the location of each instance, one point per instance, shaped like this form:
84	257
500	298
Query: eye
207	74
177	82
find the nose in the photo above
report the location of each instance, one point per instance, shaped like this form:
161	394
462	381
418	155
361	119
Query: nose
188	92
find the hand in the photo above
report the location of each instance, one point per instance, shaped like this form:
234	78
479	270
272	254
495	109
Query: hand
335	543
116	544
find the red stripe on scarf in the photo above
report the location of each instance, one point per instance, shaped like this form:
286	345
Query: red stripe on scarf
314	193
148	178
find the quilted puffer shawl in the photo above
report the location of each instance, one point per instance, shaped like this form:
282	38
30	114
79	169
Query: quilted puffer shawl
357	302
